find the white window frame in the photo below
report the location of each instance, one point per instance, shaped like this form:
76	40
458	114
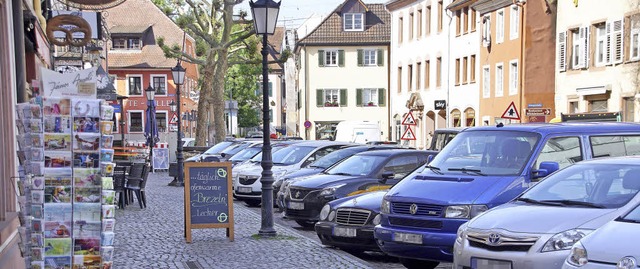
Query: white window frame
634	47
129	121
500	26
372	57
141	84
166	119
514	22
486	81
166	89
499	85
513	77
602	44
337	93
372	94
580	38
327	57
353	26
486	30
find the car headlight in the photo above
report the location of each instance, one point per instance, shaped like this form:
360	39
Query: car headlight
565	240
329	191
461	233
385	207
332	215
376	219
578	256
324	213
464	211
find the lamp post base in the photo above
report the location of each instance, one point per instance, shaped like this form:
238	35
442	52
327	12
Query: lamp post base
267	233
175	183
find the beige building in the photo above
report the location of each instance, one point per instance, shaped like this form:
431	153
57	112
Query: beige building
598	51
517	55
343	70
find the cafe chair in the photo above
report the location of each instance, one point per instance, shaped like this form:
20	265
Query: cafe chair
119	183
135	171
136	184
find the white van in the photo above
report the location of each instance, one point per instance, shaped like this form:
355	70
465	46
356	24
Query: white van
358	131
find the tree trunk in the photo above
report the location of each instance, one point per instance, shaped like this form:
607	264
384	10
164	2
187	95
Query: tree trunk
218	93
205	92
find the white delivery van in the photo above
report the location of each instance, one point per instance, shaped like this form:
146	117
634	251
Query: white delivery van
358	131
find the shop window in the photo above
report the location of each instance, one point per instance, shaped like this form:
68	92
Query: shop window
135	85
160	85
136	124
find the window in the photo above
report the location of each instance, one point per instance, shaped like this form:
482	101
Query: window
580	49
438	71
472	71
562	51
601	44
353	22
499	80
119	43
486	31
427	20
331	58
472	20
135	85
419	23
427	77
563	150
514	22
634	39
368	97
440	15
402	165
598	106
400	29
161	119
127	43
410	77
465	20
411	26
500	26
486	82
574	107
614	146
458	71
418	75
629	109
464	70
370	57
136	124
458	23
160	84
399	79
513	77
331	97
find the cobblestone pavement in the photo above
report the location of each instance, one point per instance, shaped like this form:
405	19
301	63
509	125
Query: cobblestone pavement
154	238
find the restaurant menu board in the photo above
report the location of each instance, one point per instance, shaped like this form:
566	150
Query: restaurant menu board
208	200
66	174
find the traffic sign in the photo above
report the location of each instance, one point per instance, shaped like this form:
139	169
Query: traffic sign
174	119
409	119
511	112
537	111
307	124
408	134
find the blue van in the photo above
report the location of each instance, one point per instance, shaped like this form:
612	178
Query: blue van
483	167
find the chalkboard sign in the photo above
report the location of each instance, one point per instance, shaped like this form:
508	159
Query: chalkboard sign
208	197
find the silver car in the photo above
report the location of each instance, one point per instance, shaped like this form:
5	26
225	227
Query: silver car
538	229
614	245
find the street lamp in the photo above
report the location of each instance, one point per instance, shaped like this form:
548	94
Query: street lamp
265	16
178	73
150	92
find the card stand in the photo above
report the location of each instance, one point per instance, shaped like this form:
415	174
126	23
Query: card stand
108	194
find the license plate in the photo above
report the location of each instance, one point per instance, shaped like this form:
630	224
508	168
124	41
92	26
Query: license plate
344	232
296	205
244	189
489	264
408	238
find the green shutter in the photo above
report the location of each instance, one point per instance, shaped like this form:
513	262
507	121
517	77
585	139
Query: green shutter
270	89
321	58
341	58
358	97
380	58
319	97
360	57
299	99
381	97
343	97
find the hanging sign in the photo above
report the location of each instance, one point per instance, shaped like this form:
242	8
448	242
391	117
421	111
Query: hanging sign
511	112
409	119
440	104
76	84
408	134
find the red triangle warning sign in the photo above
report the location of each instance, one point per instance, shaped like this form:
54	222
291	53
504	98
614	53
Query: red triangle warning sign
408	134
174	119
511	112
409	119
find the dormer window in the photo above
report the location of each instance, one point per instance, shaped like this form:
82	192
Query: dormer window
353	21
127	43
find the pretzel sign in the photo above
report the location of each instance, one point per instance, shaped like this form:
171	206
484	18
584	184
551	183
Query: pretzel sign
61	23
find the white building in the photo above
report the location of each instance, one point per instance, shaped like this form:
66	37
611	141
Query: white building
597	56
343	70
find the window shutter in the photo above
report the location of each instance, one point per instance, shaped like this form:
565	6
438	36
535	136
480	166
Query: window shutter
617	40
380	57
341	58
382	97
321	58
299	99
562	51
586	51
360	57
343	97
608	55
358	97
319	97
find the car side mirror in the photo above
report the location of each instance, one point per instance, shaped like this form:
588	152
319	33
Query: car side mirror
546	168
223	154
386	175
430	158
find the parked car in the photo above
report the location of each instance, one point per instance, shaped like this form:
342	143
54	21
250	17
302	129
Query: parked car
360	173
539	227
481	168
318	166
246	154
247	185
230	151
212	151
614	245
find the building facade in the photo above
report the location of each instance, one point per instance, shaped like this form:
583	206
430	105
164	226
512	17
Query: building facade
343	70
598	52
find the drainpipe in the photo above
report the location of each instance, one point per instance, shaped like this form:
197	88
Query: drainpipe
18	37
448	107
389	92
520	4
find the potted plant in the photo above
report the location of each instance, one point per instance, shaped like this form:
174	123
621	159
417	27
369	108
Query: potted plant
370	104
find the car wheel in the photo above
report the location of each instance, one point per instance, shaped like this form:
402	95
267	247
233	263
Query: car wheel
251	203
415	264
306	223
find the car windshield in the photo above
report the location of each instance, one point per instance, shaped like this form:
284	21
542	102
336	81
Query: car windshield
357	165
587	184
246	154
235	148
633	216
333	157
258	158
217	148
291	155
487	152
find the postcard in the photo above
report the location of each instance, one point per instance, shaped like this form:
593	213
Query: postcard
59	262
36	154
86	125
106	155
58	180
107	112
86	108
107	141
107	253
86	246
108	211
57	220
37	183
57	194
107	183
36	225
37	196
107	238
86	177
86	142
37	239
87	261
108	197
37	264
106	127
57	159
57	124
35	126
35	140
21	128
86	159
107	168
36	168
87	195
108	225
86	220
23	111
37	253
58	142
56	106
37	211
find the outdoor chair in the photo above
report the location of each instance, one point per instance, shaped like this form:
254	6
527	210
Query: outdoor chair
135	171
119	183
135	185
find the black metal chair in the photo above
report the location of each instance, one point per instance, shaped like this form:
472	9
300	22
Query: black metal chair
136	184
135	171
119	183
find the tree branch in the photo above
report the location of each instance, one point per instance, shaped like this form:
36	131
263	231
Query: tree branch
239	39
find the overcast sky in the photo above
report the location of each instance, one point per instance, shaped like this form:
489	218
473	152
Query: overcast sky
294	12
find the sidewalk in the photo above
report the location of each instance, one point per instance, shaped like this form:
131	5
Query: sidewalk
154	238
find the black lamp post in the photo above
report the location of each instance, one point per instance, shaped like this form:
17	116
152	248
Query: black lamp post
150	92
265	16
178	73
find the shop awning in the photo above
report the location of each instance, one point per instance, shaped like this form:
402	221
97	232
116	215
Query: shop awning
592	90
